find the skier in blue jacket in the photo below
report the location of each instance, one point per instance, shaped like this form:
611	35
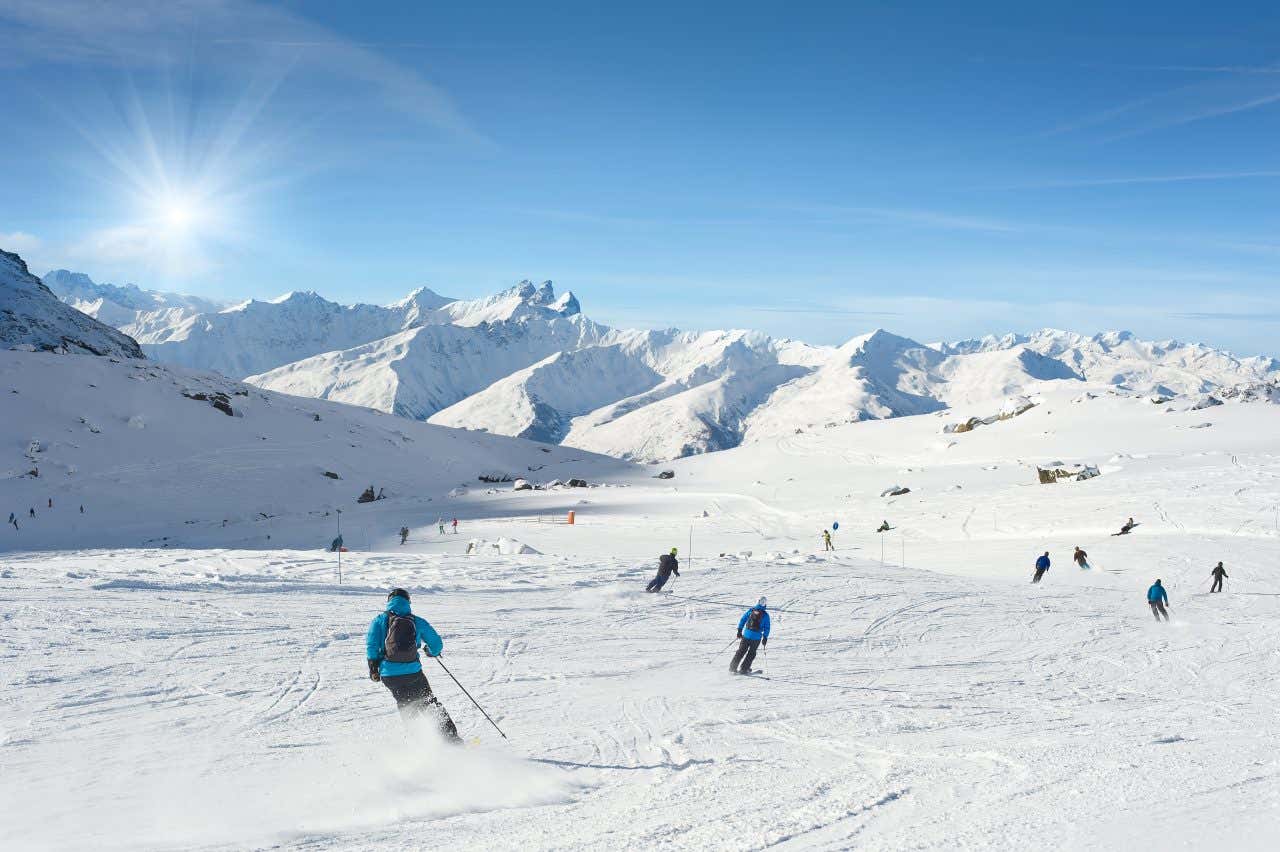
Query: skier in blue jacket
1158	599
1042	565
391	647
753	630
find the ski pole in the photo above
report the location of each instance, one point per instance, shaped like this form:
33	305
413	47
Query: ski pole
468	694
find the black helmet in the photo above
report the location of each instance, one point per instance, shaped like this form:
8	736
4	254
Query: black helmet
398	593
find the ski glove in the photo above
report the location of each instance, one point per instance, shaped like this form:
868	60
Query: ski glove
739	634
374	673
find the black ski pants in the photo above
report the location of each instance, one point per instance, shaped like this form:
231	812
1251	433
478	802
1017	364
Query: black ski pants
1157	609
414	698
746	655
656	584
1039	574
1217	583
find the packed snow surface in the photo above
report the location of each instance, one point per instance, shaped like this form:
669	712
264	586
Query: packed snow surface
917	692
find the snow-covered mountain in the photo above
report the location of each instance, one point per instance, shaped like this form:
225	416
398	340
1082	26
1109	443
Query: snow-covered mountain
126	307
1119	358
153	451
526	362
32	316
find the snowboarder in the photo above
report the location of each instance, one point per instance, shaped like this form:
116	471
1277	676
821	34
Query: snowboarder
667	565
826	541
440	524
1219	573
1042	565
1159	599
753	631
1081	558
391	648
455	526
884	527
1127	528
404	535
336	545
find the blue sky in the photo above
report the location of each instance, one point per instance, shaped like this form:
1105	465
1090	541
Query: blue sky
814	170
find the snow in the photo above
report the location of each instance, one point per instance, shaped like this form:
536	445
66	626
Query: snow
918	692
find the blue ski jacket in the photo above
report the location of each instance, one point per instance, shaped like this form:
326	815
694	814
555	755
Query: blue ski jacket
754	635
375	640
1042	564
1157	593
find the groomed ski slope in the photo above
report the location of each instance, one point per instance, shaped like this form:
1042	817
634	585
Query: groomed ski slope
218	698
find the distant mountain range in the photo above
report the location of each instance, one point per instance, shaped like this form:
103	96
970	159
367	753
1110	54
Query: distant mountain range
527	363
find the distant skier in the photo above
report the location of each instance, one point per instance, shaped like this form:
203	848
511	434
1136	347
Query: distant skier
404	535
753	630
336	545
826	541
667	565
50	502
13	519
884	527
1127	528
1158	599
82	508
440	524
391	648
31	512
455	526
1042	565
1219	574
1081	558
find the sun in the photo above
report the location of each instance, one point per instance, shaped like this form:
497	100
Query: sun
178	216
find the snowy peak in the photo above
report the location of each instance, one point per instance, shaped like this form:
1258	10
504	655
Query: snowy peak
83	293
31	316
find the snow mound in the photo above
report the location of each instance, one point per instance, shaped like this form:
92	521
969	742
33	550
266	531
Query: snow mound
502	547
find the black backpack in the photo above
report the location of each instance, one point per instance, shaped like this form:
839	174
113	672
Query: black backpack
401	644
754	619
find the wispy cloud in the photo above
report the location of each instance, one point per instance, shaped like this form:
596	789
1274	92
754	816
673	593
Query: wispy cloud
152	33
1229	316
1143	179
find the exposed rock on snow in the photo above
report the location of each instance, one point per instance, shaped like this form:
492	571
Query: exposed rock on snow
1057	471
521	485
895	491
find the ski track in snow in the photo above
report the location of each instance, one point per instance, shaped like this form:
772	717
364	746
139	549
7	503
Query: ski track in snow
218	699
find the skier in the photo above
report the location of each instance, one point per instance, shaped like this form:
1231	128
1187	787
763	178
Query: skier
1219	573
50	502
404	535
1081	558
455	526
1159	599
336	545
1042	565
31	512
82	508
884	527
667	565
13	520
753	630
391	648
826	541
440	524
1127	528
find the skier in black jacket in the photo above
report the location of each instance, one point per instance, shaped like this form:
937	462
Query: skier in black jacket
667	565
